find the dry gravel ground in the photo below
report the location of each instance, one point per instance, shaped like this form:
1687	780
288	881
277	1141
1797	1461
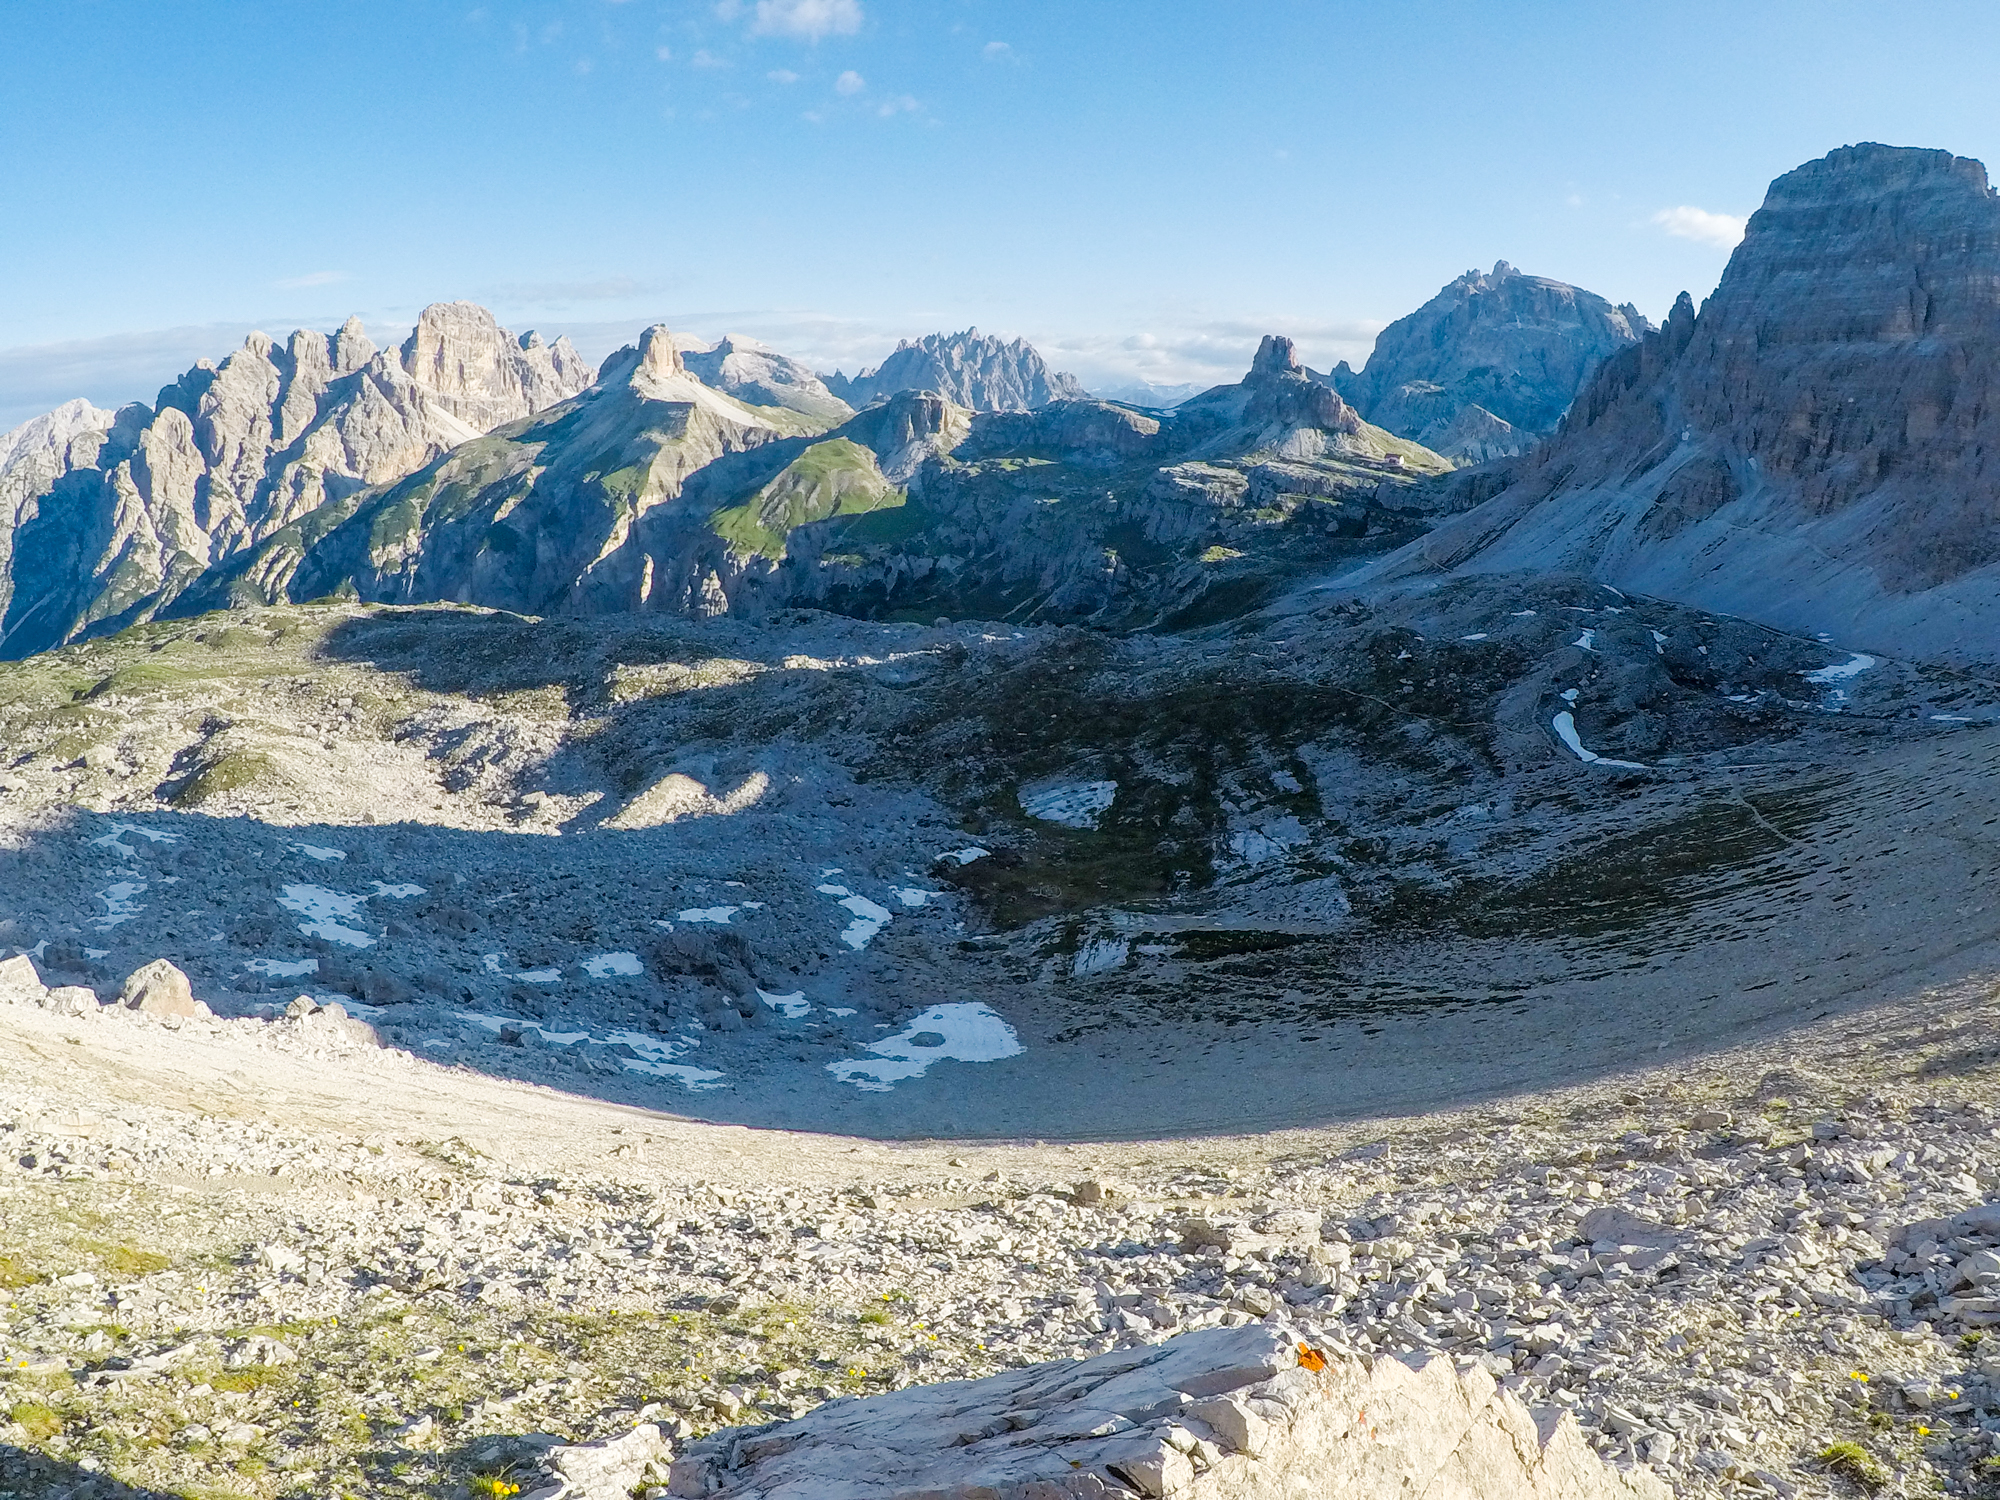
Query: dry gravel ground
242	1259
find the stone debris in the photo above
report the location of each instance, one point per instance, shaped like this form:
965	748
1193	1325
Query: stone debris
1712	1304
1248	1413
609	1470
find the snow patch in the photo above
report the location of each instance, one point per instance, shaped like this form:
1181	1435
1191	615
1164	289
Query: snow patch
720	914
1565	727
320	852
396	892
791	1007
913	898
1076	804
965	856
1854	666
1099	955
960	1031
326	914
121	901
869	918
1588	640
608	965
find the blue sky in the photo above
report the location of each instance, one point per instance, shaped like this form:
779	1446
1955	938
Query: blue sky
1140	188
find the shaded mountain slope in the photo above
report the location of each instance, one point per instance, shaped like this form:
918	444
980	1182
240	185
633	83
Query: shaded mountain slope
1489	365
1819	447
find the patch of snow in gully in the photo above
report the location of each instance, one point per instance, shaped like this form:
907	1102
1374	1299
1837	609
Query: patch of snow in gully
609	965
720	914
326	914
869	918
1565	727
791	1007
960	1031
121	901
321	852
396	892
965	856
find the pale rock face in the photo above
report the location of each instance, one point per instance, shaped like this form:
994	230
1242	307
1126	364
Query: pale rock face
104	519
971	369
1511	349
757	374
1252	1413
1815	448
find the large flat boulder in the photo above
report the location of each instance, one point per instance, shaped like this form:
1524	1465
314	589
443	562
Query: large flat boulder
1246	1413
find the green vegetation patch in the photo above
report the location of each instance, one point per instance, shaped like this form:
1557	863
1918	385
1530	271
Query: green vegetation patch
238	770
838	477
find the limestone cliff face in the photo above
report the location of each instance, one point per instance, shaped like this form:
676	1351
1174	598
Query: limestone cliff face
974	370
1488	366
1819	447
106	525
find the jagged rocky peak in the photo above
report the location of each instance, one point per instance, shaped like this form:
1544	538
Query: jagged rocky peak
233	452
483	374
975	370
1516	347
1813	448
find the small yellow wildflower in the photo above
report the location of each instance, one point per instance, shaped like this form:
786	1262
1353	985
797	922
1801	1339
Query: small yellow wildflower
1860	1375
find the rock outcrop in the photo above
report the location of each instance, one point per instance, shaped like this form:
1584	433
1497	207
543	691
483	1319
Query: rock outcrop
1249	1413
975	370
1488	366
108	517
1816	448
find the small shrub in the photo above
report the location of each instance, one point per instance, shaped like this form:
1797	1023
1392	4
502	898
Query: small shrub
874	1315
1852	1461
14	1272
37	1420
127	1260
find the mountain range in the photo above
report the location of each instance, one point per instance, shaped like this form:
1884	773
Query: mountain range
1808	449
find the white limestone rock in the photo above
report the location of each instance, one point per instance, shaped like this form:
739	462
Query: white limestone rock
1227	1414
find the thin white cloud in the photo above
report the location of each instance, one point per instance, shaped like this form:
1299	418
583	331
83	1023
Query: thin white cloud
704	58
849	82
1686	223
312	278
807	19
782	75
901	105
664	54
997	52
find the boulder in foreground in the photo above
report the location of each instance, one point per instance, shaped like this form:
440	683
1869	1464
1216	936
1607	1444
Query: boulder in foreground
1224	1414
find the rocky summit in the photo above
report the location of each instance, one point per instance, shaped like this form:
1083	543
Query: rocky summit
973	369
1488	366
693	930
1813	447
